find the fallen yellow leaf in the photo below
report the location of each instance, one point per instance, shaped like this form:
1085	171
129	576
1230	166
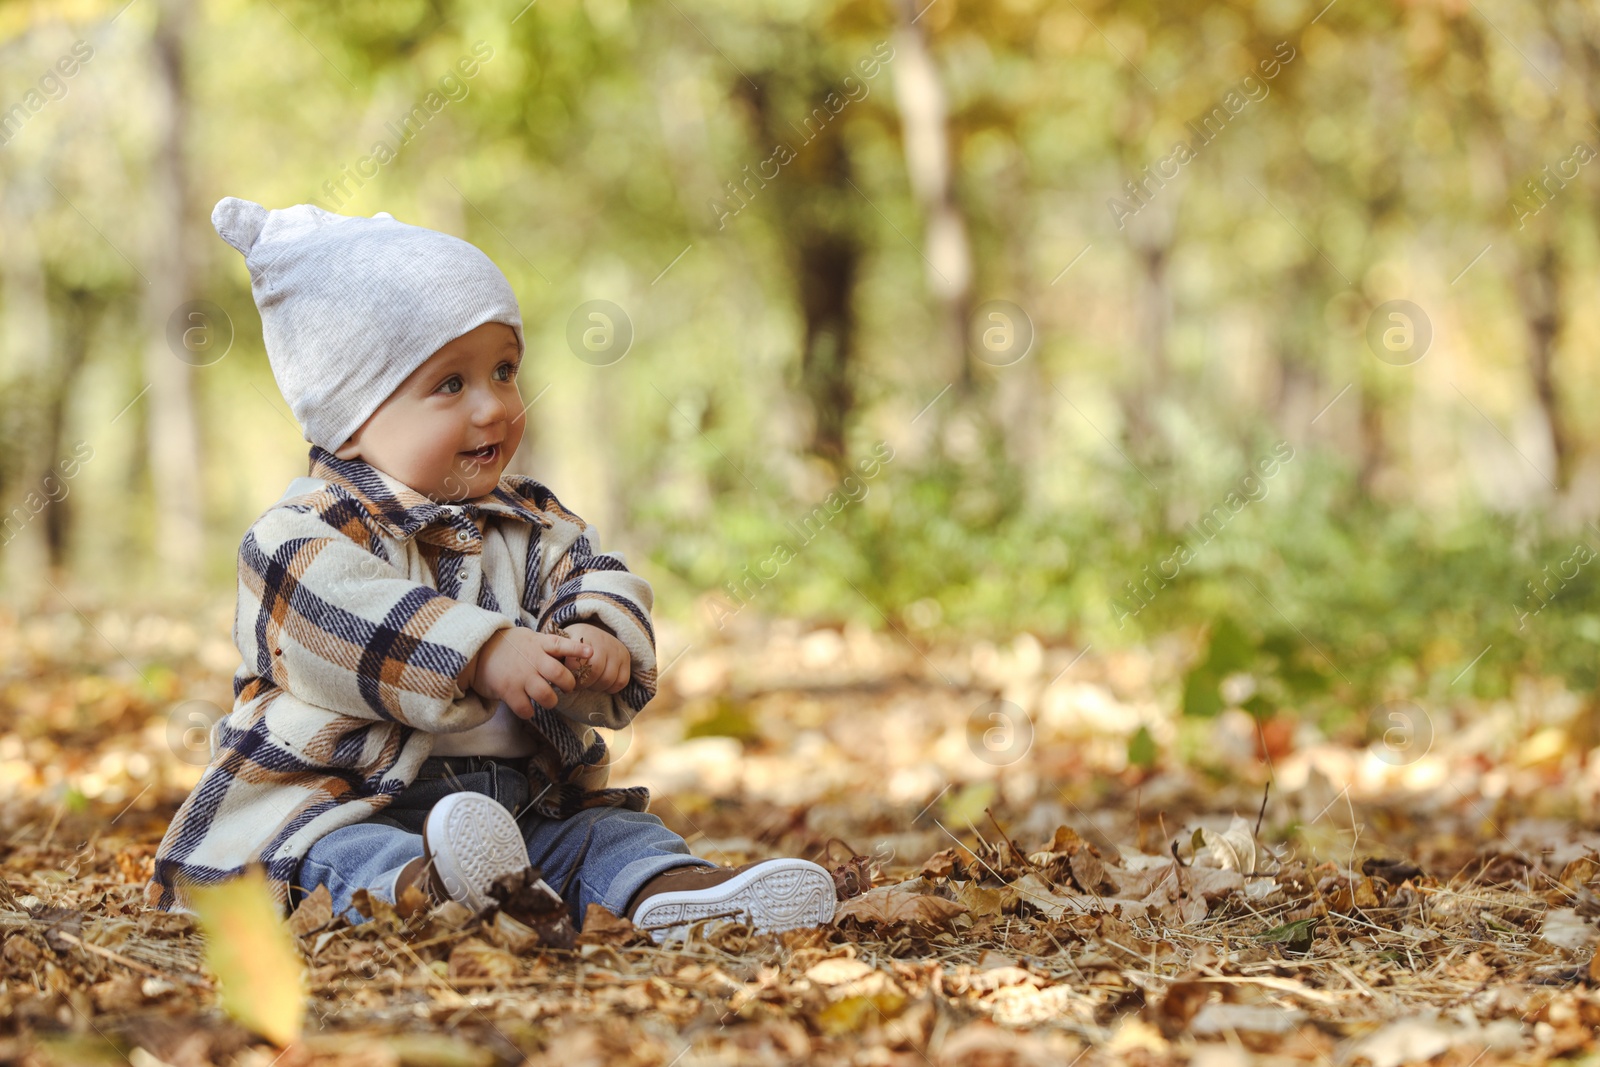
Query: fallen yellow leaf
849	1015
250	950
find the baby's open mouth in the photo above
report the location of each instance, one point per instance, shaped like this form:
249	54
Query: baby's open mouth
487	454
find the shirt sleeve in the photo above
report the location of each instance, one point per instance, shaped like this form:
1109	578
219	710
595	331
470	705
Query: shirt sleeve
580	583
324	615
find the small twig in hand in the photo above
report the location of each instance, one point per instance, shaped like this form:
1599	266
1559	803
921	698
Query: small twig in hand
580	673
1175	857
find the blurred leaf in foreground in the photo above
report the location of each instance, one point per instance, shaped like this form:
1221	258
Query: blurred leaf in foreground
251	952
1142	748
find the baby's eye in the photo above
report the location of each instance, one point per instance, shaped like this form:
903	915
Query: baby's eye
453	380
510	369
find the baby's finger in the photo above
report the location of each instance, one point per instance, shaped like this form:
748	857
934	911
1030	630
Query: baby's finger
555	672
569	646
520	706
542	694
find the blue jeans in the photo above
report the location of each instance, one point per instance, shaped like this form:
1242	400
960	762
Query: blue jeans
600	855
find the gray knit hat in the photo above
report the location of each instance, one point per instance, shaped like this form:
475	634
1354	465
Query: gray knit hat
350	306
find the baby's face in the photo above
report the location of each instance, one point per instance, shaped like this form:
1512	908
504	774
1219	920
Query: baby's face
432	431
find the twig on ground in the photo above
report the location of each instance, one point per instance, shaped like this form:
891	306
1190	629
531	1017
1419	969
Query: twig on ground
73	939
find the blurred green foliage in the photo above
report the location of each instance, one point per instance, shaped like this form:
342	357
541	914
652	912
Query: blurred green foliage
1402	152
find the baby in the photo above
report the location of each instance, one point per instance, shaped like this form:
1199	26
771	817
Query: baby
427	641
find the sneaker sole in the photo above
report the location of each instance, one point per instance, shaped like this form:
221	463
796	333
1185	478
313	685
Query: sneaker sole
782	894
472	840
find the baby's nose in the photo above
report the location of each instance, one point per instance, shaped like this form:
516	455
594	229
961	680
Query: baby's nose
490	409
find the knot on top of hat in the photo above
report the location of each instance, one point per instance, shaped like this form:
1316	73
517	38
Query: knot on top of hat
239	222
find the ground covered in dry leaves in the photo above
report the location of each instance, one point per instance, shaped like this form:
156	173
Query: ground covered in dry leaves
1028	889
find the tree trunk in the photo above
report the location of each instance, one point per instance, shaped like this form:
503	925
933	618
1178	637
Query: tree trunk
1540	292
1150	238
80	312
170	415
26	341
924	126
827	279
1155	312
814	208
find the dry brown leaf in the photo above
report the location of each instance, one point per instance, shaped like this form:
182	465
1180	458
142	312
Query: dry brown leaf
1066	840
1087	870
837	971
987	980
376	909
1394	872
413	901
579	667
21	951
1234	849
853	877
527	898
1564	928
601	927
1179	895
1211	883
941	864
896	905
474	958
314	912
1581	873
1035	891
1182	1000
356	1048
513	935
1405	1041
1222	1019
1138	883
983	900
985	1045
119	994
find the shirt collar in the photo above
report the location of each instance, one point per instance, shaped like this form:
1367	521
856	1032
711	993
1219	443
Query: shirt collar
403	511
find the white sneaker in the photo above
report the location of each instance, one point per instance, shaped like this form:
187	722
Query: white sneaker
471	840
771	895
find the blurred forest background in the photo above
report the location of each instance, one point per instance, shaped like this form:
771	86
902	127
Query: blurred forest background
1197	215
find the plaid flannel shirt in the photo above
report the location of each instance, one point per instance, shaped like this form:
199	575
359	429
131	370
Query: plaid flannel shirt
360	602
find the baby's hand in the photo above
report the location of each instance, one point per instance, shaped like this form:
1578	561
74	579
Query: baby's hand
519	666
609	669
